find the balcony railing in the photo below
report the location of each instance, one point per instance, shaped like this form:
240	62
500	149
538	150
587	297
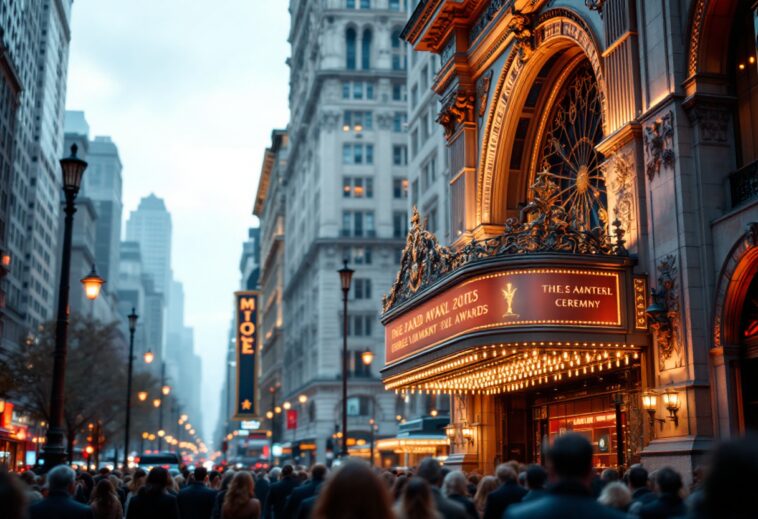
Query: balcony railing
743	184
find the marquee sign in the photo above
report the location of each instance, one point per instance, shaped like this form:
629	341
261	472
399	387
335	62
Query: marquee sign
246	305
516	298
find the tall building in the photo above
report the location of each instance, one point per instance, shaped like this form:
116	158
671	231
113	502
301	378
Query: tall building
35	38
150	226
345	196
270	209
134	290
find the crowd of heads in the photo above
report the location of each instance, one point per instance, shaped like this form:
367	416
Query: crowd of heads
723	486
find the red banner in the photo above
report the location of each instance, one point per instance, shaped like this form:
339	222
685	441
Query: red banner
291	419
545	297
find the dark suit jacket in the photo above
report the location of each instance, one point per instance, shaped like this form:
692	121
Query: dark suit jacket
262	487
59	505
306	508
566	500
297	496
151	506
447	508
499	500
277	497
219	504
466	503
196	501
663	507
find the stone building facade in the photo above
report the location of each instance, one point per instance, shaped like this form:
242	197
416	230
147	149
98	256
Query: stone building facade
590	138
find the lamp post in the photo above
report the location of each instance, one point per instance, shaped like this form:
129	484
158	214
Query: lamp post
346	276
165	390
54	452
132	328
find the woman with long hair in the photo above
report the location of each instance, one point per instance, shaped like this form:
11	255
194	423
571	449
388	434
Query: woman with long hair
104	502
354	491
417	501
153	501
486	486
239	501
134	486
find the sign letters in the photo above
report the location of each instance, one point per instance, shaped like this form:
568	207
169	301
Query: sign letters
246	305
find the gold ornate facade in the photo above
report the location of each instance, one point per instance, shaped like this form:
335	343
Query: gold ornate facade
602	174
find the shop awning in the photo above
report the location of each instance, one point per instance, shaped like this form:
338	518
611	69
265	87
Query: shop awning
417	444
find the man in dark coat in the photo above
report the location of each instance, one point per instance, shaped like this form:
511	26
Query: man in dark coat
279	492
509	492
569	496
196	499
536	477
60	503
303	492
668	485
637	480
430	470
262	486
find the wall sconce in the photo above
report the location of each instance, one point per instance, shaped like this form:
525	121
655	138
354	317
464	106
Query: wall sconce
467	432
650	404
671	401
450	432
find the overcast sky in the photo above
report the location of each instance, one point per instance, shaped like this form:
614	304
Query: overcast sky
189	90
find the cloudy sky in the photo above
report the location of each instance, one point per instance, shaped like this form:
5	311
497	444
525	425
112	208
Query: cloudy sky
189	90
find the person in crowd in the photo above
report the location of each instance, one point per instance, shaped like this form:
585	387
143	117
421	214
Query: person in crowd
59	502
153	500
417	501
473	483
279	492
239	500
353	491
262	486
507	494
102	474
521	479
105	502
637	481
304	491
397	488
214	480
13	496
615	495
177	483
33	494
454	486
389	479
429	469
486	486
569	496
86	485
137	482
668	501
729	487
196	500
226	480
536	477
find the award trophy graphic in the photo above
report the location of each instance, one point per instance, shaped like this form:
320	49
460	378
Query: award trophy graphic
509	292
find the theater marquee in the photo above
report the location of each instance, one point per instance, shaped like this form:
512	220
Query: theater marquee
517	298
246	305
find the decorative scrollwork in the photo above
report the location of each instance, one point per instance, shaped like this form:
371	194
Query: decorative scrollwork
458	108
659	144
663	313
545	226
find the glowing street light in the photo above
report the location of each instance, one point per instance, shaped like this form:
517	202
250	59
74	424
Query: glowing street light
142	396
166	390
302	399
92	284
149	357
157	403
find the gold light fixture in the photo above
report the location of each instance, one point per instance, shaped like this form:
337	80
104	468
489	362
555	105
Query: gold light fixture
187	426
433	412
92	284
184	418
302	399
166	390
156	402
149	357
142	396
277	409
367	357
145	435
450	432
287	406
161	433
650	404
269	414
671	401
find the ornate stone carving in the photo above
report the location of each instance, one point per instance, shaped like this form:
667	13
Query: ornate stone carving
619	172
329	120
713	123
696	30
595	5
485	18
664	313
458	108
482	91
545	226
659	144
521	28
384	120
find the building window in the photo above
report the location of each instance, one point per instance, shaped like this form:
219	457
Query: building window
414	192
358	224
431	219
400	155
399	92
424	79
414	142
424	123
357	120
357	90
366	50
394	5
399	188
359	325
428	173
399	120
350	4
358	187
346	90
414	95
358	406
399	224
398	51
360	255
365	4
358	368
362	288
354	153
350	55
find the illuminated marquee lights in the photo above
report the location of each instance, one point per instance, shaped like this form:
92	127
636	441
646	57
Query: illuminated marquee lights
504	368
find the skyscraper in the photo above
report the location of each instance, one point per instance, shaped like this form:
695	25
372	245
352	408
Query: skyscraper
345	193
150	226
35	55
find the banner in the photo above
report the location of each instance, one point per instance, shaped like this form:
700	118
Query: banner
291	419
246	403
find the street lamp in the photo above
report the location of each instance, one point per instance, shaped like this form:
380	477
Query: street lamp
149	356
54	453
346	276
156	403
92	284
302	399
166	390
367	357
142	395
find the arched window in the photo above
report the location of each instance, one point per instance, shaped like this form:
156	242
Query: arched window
398	51
744	72
366	50
350	50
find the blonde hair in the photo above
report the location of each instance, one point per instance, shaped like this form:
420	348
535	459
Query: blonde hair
239	493
486	485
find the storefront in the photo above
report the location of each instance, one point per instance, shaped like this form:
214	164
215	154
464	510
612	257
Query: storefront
15	440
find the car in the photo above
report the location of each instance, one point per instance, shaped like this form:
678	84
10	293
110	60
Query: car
168	460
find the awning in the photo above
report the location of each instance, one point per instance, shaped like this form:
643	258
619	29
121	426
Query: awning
417	444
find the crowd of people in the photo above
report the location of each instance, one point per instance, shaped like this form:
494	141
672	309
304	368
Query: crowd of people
568	487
